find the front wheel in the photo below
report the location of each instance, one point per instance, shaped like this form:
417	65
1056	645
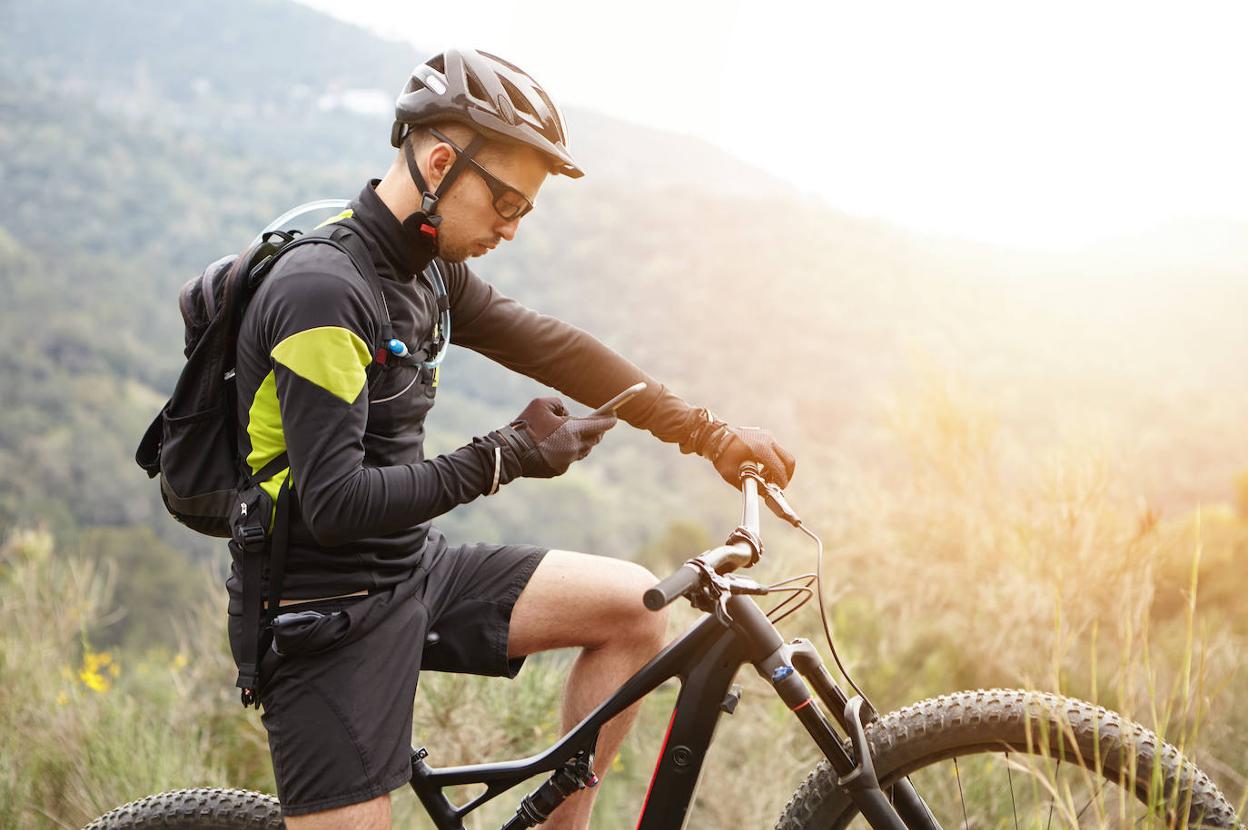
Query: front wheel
1017	759
197	809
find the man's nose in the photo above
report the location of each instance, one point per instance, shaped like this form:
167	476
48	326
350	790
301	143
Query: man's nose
507	230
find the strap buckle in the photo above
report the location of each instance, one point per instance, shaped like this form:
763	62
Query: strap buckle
249	682
250	537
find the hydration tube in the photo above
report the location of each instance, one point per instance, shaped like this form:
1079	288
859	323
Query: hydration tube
444	319
433	271
300	210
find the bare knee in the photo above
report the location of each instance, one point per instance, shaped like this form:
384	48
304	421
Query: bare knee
648	627
581	600
367	815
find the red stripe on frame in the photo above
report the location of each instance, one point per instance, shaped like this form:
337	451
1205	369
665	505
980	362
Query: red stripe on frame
657	764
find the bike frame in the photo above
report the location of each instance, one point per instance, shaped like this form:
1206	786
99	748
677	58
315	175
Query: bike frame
706	659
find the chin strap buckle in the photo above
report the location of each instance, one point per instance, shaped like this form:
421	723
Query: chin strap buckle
429	206
431	219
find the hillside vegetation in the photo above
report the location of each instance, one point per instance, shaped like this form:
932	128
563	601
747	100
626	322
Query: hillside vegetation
1024	464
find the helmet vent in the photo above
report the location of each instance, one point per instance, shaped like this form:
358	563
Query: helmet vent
506	63
552	127
437	62
518	99
475	89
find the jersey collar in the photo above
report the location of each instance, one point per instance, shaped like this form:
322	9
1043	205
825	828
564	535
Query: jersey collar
405	251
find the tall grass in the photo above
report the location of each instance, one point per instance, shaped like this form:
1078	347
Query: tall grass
973	558
84	729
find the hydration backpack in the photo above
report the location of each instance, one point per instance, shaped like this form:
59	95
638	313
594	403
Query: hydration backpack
192	445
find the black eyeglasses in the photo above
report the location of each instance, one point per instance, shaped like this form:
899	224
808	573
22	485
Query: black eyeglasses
509	203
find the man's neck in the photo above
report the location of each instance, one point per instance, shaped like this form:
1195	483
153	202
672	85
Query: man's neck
398	195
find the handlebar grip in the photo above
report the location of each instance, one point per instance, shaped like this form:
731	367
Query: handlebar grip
672	588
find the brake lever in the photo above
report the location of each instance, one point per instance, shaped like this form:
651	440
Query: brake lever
772	494
712	597
779	505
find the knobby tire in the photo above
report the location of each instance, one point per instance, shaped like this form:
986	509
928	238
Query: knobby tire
1041	728
197	809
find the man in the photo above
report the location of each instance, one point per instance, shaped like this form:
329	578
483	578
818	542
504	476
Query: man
477	139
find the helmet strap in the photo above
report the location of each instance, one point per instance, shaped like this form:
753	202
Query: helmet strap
461	162
428	201
427	220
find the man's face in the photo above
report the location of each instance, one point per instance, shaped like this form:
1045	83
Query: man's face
471	225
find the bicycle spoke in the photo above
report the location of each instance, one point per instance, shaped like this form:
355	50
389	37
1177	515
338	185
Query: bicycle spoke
1013	803
966	824
1100	787
1053	800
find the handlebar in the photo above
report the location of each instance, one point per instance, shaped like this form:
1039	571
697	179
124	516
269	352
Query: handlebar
742	550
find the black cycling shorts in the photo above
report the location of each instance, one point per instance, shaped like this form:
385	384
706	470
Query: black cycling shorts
338	687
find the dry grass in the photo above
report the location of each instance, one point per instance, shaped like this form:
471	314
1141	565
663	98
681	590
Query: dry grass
972	559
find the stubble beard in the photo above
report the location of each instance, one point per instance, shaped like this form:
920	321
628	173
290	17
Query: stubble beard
452	252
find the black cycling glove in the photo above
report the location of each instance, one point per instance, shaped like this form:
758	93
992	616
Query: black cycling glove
557	439
728	447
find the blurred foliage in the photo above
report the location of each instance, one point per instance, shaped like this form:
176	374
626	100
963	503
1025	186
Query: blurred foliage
1066	508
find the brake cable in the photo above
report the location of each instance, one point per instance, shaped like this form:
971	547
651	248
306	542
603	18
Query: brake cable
823	614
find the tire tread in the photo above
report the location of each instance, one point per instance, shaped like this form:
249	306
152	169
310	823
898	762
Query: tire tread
985	717
201	808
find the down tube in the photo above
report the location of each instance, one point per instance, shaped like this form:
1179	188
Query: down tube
693	723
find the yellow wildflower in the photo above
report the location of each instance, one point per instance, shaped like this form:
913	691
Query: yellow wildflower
92	663
62	698
179	662
94	681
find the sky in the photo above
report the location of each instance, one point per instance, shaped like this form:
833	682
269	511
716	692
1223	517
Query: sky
1044	125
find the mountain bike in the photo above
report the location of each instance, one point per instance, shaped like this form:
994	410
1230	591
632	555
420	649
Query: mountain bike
985	758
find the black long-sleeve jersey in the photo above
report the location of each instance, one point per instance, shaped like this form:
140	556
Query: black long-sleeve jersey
365	491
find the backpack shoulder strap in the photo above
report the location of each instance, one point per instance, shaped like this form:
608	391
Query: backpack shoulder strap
350	244
346	240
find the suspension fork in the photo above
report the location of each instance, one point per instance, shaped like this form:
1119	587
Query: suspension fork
773	660
805	658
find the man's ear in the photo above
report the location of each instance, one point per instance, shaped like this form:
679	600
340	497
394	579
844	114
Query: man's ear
439	161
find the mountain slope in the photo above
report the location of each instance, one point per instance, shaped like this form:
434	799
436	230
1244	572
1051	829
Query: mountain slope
134	152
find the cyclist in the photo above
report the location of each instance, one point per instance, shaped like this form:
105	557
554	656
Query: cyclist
477	137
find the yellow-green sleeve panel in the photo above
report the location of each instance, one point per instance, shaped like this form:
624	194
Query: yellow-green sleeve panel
313	403
332	357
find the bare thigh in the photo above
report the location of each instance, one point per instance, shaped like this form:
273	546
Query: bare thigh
367	815
581	600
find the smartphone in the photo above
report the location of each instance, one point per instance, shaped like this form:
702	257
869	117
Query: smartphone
621	399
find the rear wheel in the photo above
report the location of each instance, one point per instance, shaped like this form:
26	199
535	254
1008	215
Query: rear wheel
198	809
1015	759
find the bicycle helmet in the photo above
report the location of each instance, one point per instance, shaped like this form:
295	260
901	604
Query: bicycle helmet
490	95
